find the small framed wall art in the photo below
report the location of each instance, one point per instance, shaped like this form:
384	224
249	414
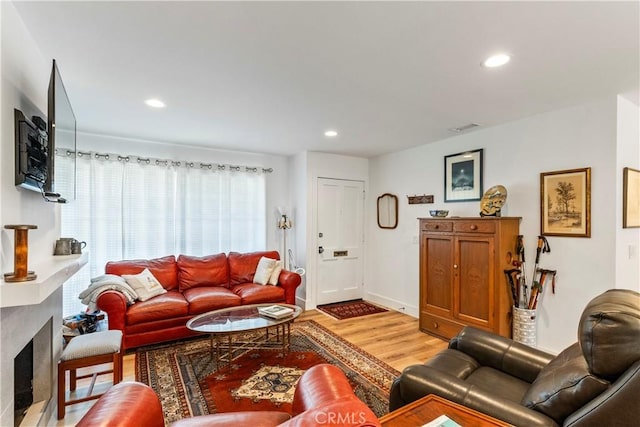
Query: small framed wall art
565	203
630	198
463	176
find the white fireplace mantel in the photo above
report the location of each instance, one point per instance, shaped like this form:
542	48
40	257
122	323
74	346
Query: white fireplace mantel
51	273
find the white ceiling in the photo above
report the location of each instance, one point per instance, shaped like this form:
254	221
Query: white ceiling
271	77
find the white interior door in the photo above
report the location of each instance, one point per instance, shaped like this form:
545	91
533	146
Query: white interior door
340	208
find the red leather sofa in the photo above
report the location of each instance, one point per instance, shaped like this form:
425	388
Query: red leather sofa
323	396
194	286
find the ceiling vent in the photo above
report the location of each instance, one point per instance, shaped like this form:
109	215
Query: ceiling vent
464	128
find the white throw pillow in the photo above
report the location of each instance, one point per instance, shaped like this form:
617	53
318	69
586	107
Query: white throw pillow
264	270
273	280
145	284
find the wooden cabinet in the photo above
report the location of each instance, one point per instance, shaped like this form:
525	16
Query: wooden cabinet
462	282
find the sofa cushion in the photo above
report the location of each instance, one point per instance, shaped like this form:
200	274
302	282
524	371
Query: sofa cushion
564	386
165	306
453	362
202	300
242	267
159	325
252	293
211	270
609	331
498	384
164	269
144	284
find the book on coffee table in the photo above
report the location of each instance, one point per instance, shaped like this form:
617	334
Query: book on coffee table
275	311
442	421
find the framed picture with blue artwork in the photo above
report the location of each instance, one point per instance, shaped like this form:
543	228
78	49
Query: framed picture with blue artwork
463	176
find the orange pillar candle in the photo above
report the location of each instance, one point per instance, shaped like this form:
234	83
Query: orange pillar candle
21	254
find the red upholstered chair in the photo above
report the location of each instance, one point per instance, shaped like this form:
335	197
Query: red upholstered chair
127	404
323	396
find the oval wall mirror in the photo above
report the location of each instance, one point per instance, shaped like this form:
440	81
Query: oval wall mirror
387	211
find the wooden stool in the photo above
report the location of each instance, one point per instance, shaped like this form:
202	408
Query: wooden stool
88	350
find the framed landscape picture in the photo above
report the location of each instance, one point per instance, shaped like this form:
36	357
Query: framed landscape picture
630	198
565	203
463	176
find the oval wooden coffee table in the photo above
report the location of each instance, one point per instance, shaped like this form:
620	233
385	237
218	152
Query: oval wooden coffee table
226	323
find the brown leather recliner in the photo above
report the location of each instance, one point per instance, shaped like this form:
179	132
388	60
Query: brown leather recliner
594	382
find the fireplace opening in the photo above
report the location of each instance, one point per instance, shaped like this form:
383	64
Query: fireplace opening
23	383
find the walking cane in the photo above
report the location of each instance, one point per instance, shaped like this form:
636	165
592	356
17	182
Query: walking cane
536	289
522	279
538	286
513	286
542	247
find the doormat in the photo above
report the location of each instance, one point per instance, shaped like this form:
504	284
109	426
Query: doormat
350	309
185	377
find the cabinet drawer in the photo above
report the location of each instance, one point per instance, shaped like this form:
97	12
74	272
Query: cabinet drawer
437	226
439	326
475	226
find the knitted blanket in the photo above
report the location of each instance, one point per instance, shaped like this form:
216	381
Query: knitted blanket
106	282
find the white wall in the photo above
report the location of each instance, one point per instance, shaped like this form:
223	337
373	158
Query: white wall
25	76
277	181
628	155
299	215
514	155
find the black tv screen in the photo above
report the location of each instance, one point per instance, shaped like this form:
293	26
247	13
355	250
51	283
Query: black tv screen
61	129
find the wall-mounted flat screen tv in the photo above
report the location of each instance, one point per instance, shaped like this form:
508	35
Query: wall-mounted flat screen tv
62	133
38	141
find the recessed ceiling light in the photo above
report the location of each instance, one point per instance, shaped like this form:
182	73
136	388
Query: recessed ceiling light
331	133
155	103
496	60
464	127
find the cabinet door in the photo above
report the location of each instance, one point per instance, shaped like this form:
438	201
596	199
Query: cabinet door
436	274
473	278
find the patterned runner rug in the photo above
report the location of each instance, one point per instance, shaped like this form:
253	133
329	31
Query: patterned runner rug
350	309
188	382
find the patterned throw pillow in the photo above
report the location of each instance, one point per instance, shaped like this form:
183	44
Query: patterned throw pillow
145	284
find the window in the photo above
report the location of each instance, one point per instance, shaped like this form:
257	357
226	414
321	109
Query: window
139	209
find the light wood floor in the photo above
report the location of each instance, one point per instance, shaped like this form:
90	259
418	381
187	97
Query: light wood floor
392	337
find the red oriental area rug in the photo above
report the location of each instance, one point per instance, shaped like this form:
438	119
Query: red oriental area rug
350	309
188	382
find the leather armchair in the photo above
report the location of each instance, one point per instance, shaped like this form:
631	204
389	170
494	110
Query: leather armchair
593	382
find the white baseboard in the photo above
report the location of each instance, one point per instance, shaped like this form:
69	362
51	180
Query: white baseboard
301	302
392	304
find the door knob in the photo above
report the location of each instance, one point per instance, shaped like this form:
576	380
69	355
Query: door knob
320	249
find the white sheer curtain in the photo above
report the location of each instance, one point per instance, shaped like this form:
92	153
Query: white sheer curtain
147	209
